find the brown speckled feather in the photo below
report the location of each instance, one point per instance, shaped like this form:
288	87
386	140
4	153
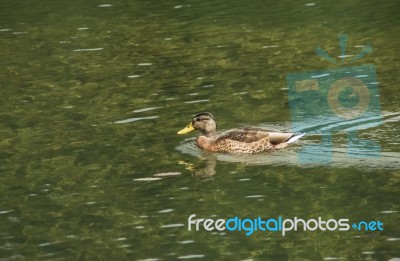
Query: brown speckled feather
249	140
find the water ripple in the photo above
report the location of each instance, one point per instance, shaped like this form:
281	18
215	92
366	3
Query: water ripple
196	101
167	174
88	50
186	242
320	75
172	225
168	210
6	211
136	119
190	256
255	196
146	109
389	211
146	179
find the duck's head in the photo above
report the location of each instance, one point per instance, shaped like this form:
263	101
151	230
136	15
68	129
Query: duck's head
204	122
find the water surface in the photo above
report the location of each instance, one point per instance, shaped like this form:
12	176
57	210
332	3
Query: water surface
93	93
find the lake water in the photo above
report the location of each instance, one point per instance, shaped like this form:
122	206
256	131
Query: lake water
93	92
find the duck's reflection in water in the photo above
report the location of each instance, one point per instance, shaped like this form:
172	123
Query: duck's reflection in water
206	168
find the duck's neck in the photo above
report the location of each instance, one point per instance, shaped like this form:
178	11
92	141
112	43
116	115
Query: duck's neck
206	139
210	134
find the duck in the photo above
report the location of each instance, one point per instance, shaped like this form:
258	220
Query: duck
248	140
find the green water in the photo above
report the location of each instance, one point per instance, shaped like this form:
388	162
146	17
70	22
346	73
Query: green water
93	92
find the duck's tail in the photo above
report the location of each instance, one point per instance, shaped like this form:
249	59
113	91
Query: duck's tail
294	138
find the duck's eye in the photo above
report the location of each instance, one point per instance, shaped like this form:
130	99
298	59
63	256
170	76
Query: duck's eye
199	119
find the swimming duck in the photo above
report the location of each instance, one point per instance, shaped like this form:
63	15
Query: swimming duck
243	140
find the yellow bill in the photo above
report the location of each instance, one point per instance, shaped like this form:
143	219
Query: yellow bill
187	129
